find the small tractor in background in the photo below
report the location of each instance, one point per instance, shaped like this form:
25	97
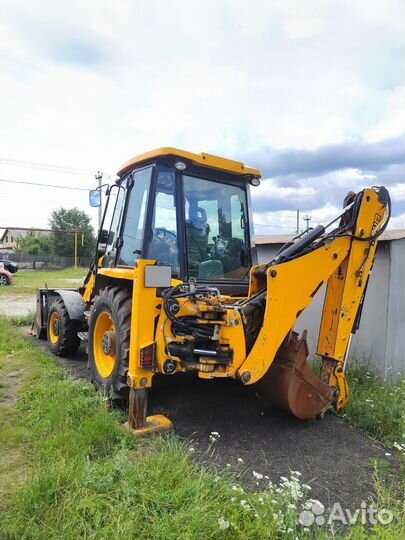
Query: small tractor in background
175	287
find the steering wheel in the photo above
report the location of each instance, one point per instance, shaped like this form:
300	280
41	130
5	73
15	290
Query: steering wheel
166	249
160	232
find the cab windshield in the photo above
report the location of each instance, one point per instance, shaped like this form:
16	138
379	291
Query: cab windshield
216	229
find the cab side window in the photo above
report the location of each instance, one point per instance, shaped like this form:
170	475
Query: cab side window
112	222
164	241
134	223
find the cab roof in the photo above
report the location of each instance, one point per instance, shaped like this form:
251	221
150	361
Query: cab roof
203	159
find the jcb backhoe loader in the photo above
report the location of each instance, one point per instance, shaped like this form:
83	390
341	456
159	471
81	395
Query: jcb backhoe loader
175	287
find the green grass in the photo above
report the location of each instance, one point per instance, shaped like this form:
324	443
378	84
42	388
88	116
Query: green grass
27	282
69	470
377	407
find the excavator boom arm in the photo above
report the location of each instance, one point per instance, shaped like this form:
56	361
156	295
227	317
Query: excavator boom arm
343	259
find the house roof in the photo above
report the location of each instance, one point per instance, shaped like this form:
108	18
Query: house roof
20	232
390	234
15	233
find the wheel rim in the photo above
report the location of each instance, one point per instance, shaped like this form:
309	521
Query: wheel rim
54	323
104	340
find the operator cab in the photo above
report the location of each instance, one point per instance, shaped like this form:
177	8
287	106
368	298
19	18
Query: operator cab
188	211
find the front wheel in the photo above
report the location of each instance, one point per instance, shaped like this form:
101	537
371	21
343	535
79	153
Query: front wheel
62	330
108	341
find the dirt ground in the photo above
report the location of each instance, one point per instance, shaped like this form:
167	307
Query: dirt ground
16	305
335	459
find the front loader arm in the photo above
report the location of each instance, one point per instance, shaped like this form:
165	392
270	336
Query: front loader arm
343	260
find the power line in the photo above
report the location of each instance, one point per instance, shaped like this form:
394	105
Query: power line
37	229
27	229
272	226
46	166
43	185
49	167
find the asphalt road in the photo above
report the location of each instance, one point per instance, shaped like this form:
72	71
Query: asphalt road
334	458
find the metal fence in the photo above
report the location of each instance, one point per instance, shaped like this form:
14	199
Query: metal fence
49	262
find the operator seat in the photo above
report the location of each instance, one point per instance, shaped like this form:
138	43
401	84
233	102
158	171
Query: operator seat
234	255
197	231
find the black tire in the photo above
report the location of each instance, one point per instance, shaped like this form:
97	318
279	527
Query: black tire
117	302
3	280
67	341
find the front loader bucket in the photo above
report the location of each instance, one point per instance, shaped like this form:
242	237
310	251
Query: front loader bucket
290	383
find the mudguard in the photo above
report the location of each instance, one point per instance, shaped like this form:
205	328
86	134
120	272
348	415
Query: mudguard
74	303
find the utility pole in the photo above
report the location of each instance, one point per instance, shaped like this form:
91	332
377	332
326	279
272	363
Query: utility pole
298	221
99	177
307	219
75	249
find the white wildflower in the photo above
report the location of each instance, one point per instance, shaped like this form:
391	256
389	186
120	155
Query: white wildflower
223	524
257	475
240	460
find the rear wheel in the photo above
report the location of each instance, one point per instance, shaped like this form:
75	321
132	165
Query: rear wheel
108	345
3	280
62	330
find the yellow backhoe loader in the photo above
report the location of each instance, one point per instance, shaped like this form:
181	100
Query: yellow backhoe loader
175	287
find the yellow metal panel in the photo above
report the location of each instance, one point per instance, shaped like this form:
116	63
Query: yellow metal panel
346	285
233	334
291	287
145	308
88	293
117	273
154	424
206	160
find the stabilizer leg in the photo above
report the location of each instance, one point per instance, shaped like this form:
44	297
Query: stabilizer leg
140	424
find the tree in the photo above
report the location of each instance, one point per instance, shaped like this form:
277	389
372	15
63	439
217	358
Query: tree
64	223
35	244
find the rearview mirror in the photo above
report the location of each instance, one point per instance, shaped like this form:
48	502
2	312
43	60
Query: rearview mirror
95	198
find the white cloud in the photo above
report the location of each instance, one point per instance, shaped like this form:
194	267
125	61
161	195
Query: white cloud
224	77
398	222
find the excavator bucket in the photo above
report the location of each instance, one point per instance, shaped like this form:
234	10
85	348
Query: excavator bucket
291	385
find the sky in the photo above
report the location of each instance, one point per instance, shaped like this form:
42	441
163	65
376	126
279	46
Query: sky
312	93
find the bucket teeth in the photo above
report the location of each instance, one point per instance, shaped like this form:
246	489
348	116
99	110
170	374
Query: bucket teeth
291	385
